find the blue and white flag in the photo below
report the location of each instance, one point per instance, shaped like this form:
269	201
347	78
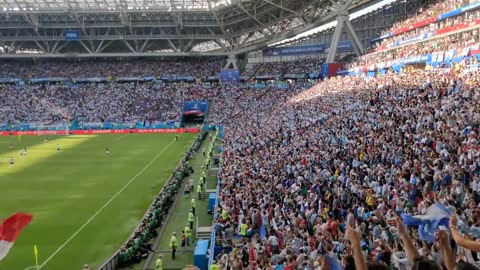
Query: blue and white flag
437	215
333	261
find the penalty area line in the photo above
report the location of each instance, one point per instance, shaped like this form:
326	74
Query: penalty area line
104	206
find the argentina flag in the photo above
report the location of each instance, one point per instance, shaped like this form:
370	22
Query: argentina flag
437	215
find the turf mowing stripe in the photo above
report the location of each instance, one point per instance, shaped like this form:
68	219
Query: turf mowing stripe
105	205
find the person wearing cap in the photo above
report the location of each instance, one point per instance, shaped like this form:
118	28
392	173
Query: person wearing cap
159	263
173	244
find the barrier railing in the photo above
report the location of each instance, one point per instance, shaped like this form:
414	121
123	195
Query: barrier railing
215	208
214	235
113	262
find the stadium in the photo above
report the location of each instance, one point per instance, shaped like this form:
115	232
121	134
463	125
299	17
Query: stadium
239	134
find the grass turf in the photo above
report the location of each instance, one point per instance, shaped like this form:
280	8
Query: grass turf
179	218
84	204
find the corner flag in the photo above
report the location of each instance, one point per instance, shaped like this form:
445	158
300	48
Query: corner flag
35	252
10	230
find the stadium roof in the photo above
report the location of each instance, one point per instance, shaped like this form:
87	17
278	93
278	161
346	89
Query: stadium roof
123	28
106	5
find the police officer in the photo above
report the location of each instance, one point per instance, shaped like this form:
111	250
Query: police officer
159	263
187	234
199	191
174	244
190	220
193	204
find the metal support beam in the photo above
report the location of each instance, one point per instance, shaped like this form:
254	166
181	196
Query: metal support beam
85	46
172	45
189	46
231	61
336	38
280	6
57	49
357	44
250	15
41	47
102	46
343	20
129	46
144	45
220	25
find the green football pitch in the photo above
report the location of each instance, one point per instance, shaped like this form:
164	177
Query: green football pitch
84	203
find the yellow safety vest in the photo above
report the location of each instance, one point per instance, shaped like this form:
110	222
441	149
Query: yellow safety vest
214	267
224	214
159	264
193	202
190	217
199	188
187	231
173	241
243	229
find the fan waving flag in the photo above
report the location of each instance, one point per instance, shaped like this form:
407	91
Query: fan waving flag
437	215
10	230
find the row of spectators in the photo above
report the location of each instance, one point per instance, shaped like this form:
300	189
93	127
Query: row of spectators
454	41
300	66
391	42
431	9
129	103
157	68
316	178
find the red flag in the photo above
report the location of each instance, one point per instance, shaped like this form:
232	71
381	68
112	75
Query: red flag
10	230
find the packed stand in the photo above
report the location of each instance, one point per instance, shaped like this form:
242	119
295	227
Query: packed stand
426	31
454	41
126	103
432	8
300	66
112	69
319	177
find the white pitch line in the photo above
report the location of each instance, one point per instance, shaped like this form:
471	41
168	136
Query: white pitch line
104	206
121	137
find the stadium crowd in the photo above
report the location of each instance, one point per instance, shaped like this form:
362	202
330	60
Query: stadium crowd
455	41
128	103
300	66
427	30
307	170
112	69
432	8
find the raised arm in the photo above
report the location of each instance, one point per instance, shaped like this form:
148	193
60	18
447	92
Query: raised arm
412	252
354	238
460	239
446	251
